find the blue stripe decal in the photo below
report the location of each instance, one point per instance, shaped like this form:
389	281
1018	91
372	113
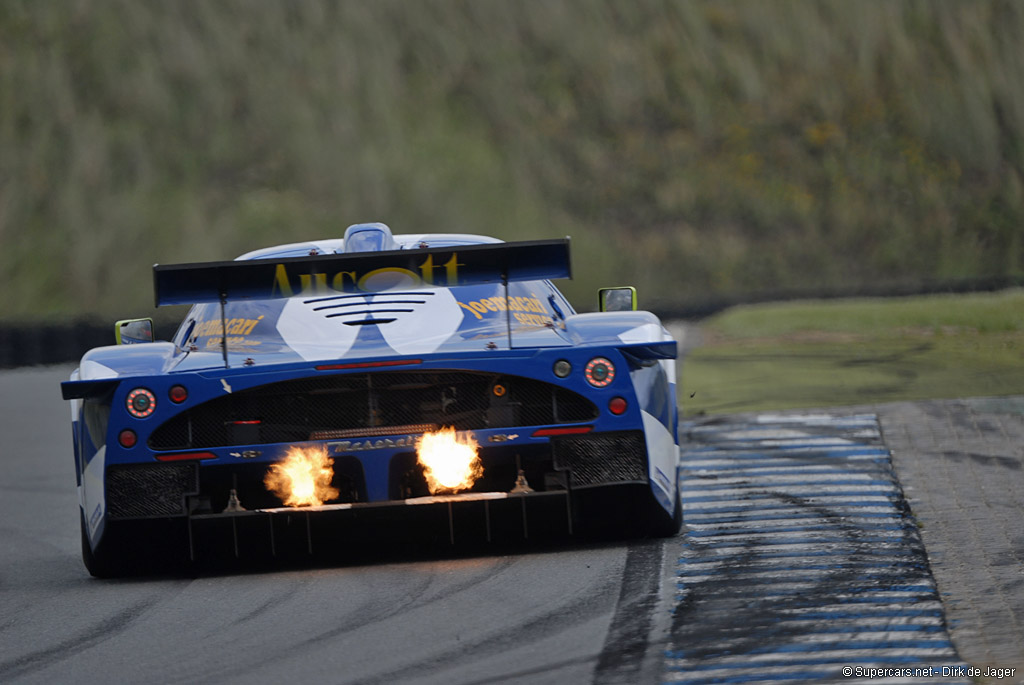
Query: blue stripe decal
802	483
718	498
788	507
799	539
762	663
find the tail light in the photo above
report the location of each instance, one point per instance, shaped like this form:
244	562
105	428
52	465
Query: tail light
599	372
186	456
618	405
127	438
141	403
178	394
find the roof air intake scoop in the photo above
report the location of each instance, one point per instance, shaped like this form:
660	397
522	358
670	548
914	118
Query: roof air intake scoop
369	238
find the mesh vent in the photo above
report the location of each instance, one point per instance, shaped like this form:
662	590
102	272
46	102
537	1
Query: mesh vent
602	458
149	489
381	403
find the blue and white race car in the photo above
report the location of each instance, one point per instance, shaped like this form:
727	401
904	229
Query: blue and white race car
316	393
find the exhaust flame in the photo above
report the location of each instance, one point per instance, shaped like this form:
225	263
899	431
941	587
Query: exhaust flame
450	463
303	478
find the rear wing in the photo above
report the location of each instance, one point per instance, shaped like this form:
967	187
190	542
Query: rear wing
360	272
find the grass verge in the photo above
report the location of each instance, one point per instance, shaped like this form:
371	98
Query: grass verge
821	354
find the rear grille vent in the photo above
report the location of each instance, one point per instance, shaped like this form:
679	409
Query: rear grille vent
149	490
379	403
602	458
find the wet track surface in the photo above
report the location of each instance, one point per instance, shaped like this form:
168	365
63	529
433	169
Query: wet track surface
800	557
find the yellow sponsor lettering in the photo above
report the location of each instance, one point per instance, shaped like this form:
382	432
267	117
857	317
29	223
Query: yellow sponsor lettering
338	282
389	277
252	324
470	310
452	269
281	284
427	270
374	281
313	284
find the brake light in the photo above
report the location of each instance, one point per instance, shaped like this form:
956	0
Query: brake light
178	394
368	365
186	456
568	430
127	438
618	406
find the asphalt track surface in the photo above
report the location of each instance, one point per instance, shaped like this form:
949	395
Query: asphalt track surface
582	614
801	557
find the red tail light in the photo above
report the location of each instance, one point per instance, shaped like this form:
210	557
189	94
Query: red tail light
568	430
618	406
368	365
127	438
186	456
178	394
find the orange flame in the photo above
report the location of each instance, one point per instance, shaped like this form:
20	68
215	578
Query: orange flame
304	477
450	462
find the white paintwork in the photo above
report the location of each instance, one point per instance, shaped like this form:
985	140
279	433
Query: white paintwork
91	494
413	240
76	405
426	327
652	333
337	245
329	246
92	371
649	332
303	330
662	453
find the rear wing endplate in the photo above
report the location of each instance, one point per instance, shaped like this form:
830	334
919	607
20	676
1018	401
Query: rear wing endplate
360	272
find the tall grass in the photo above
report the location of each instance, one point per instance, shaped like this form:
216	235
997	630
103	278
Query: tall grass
691	148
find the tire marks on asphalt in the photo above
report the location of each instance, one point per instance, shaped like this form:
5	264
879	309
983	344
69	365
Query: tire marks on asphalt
801	557
95	634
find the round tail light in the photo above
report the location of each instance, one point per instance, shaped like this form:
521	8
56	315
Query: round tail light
141	403
618	405
127	438
178	394
599	372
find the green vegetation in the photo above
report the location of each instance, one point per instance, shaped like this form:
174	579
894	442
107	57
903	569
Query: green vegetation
819	354
694	149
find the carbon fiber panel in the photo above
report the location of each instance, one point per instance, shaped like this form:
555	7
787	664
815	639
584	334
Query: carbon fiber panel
602	458
149	490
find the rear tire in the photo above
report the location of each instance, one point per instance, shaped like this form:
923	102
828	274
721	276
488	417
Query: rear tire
104	561
660	523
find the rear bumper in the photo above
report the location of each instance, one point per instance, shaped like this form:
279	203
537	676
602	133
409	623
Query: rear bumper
551	466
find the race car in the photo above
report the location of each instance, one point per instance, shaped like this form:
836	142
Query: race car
318	395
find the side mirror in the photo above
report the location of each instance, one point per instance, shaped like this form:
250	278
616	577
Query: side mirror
617	299
133	331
